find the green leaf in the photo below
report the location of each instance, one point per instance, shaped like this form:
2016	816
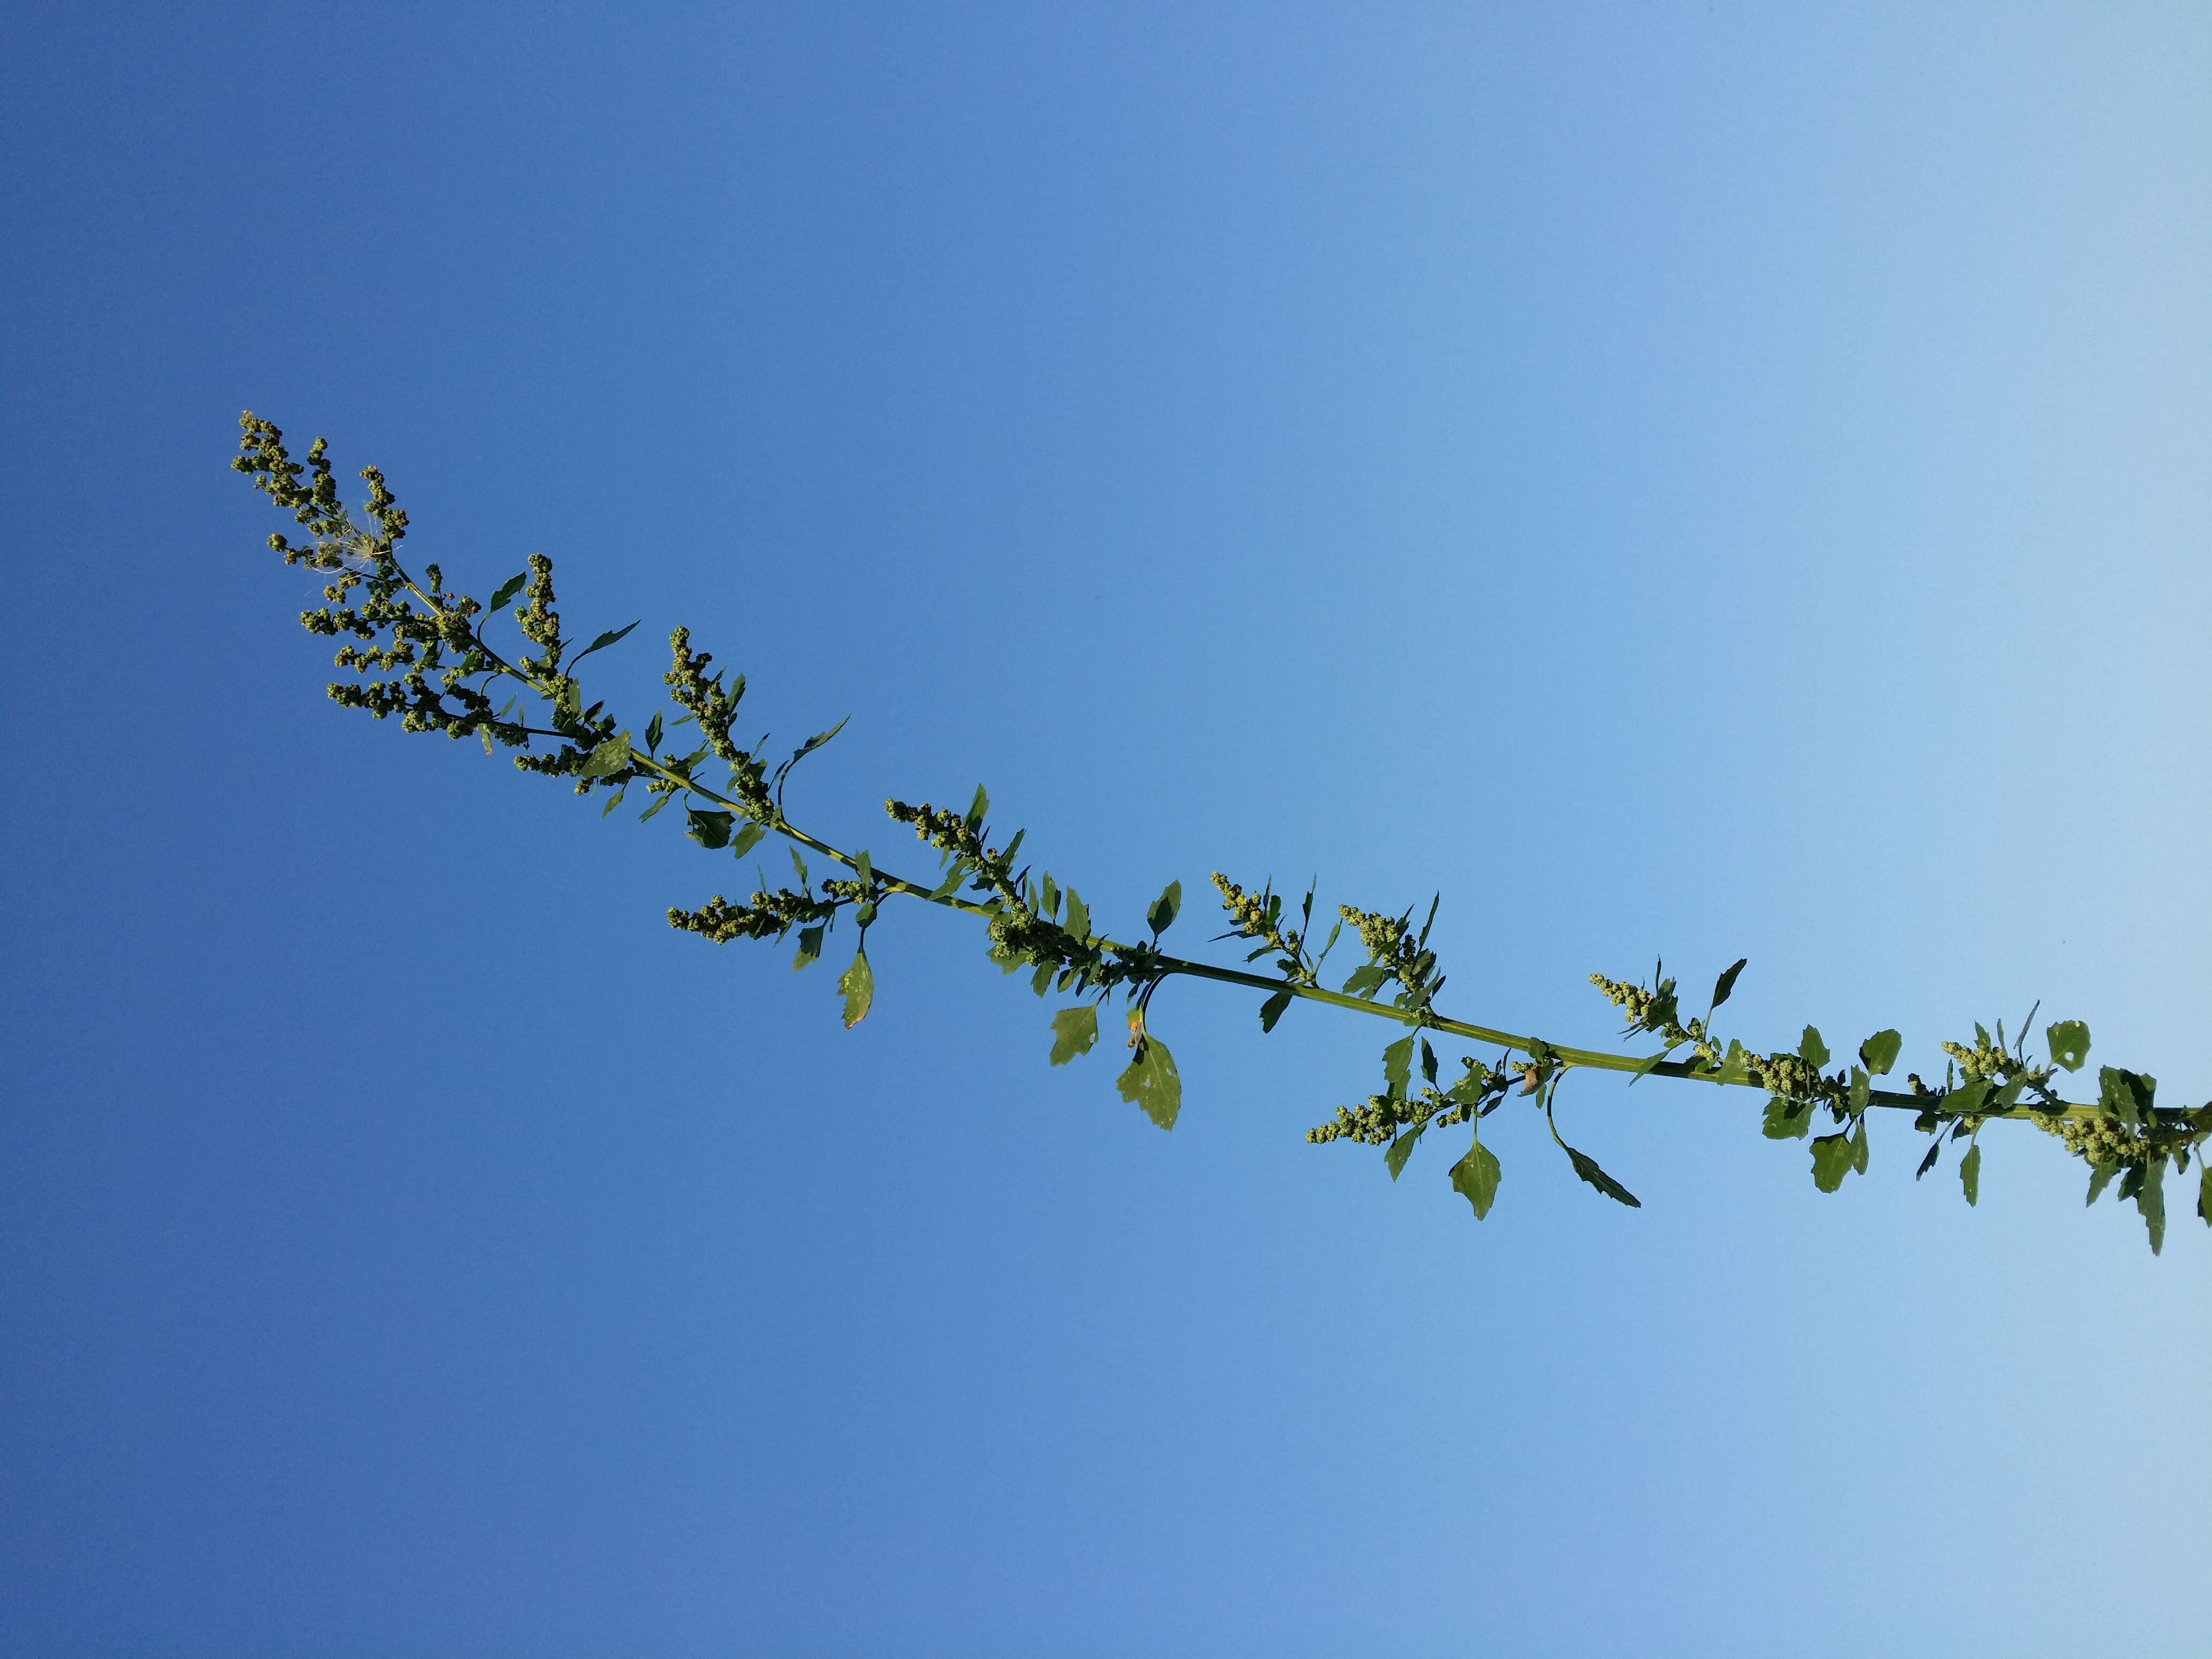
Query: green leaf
1879	1052
1732	1068
810	948
610	637
1968	1097
1162	915
1271	1010
977	808
2151	1200
1366	982
2070	1043
2126	1094
1041	980
506	590
1079	916
1395	1154
1862	1095
608	758
1074	1031
1787	1120
1151	1083
1586	1166
1474	1177
1398	1066
1970	1175
1428	1062
1812	1050
1831	1161
953	878
653	730
1726	982
859	985
747	837
2204	1190
1928	1162
2100	1176
1859	1146
710	829
799	864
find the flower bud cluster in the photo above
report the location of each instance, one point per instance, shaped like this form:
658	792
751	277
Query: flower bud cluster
767	916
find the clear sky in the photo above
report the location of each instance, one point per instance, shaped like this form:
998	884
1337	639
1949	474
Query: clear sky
1698	480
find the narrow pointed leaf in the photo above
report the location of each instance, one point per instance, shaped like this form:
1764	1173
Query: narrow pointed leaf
746	838
2151	1200
1934	1152
1398	1066
1970	1175
1395	1154
1586	1166
609	638
506	590
1726	984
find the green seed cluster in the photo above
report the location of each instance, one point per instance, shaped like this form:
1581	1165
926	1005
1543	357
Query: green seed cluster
1257	915
766	916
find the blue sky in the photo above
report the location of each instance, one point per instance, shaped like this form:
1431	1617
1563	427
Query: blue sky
1682	480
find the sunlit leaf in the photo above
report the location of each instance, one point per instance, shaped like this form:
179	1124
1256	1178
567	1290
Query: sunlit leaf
1079	916
1366	982
810	948
1074	1031
506	590
1475	1178
1831	1161
2070	1043
1162	915
1879	1052
746	838
1151	1083
859	985
1970	1174
1859	1146
608	758
1812	1050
